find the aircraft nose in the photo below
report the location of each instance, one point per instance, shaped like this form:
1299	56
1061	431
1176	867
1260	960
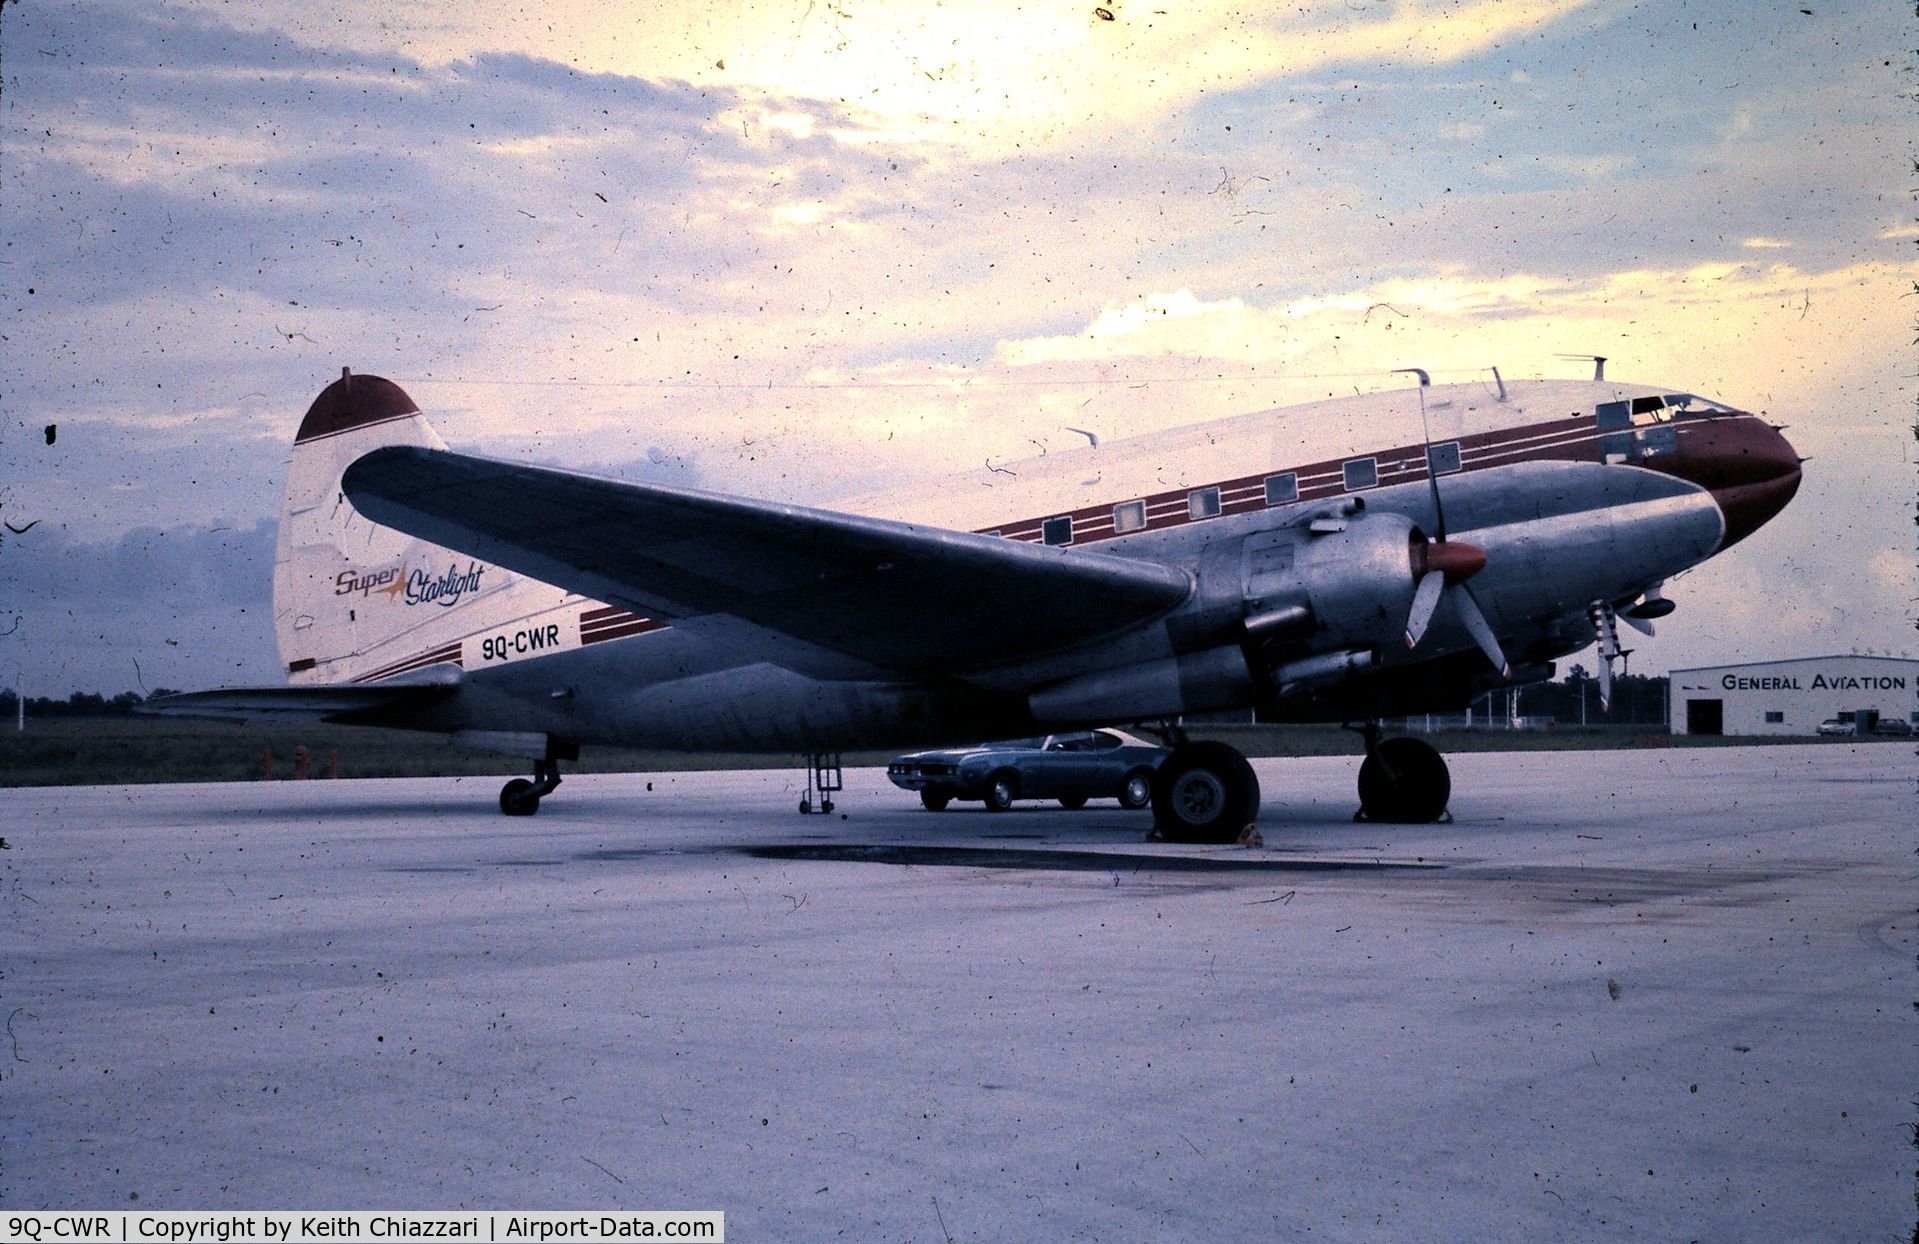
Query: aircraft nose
1748	466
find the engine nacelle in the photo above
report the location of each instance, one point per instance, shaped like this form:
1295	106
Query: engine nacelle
1193	683
1318	601
1352	575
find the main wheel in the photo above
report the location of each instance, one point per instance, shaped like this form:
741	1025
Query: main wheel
1072	803
1205	792
517	799
1138	791
1000	791
933	801
1404	781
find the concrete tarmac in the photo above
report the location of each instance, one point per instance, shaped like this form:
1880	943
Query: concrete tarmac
1626	995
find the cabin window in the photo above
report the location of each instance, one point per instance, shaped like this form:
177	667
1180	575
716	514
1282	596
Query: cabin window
1057	530
1129	516
1444	459
1362	473
1282	489
1202	503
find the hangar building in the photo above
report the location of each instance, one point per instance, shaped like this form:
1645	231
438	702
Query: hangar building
1793	697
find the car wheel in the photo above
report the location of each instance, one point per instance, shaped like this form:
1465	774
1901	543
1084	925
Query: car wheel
933	801
1000	792
1138	791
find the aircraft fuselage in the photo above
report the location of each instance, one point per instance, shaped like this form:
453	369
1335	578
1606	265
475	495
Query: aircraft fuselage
1576	493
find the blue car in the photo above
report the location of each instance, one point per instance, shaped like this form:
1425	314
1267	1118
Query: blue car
1072	768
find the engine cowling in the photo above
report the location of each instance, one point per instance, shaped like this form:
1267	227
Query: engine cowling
1318	602
1346	582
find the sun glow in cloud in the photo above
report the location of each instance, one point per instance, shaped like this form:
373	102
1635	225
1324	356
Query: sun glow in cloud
1004	75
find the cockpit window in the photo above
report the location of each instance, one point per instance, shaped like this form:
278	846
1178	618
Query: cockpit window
1681	405
1648	410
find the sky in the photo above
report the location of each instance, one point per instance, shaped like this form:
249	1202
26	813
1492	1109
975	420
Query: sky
806	249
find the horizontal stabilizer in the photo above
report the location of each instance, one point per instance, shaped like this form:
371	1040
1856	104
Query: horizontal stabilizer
905	598
357	705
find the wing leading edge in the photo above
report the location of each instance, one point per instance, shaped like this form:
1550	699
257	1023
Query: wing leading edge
904	598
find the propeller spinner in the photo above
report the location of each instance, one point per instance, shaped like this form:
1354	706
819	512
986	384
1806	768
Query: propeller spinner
1441	568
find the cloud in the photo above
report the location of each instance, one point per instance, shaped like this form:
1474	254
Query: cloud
998	75
575	237
178	607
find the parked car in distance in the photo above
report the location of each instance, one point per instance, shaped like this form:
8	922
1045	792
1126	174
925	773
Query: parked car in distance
1891	725
1072	768
1836	725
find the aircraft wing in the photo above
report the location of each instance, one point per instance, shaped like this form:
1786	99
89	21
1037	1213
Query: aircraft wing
904	598
361	705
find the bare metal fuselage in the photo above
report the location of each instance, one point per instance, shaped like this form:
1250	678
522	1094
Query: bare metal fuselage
1568	509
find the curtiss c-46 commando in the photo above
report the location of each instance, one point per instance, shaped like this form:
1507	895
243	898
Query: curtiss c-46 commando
1344	561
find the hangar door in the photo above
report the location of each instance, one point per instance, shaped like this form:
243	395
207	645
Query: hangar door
1705	716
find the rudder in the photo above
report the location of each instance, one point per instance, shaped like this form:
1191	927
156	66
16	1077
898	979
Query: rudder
354	601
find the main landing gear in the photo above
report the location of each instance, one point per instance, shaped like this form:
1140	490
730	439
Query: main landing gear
1402	780
1204	792
521	797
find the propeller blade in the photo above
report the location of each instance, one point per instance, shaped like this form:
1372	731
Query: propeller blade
1425	601
1605	685
1482	630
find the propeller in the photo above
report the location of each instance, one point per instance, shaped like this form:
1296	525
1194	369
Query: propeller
1441	567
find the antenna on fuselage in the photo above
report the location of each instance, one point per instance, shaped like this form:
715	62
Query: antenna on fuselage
1598	362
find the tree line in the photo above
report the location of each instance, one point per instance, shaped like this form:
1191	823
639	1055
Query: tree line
79	704
1638	700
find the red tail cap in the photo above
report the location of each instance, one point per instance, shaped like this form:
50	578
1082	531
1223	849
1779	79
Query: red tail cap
353	402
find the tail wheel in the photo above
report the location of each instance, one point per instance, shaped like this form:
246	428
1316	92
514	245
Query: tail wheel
1072	803
1000	792
934	802
1138	791
1205	792
517	798
1404	781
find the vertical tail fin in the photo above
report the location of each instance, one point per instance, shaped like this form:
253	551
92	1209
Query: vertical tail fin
354	601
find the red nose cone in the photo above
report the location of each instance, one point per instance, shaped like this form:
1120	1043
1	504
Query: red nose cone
1748	467
1748	507
353	402
1454	559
